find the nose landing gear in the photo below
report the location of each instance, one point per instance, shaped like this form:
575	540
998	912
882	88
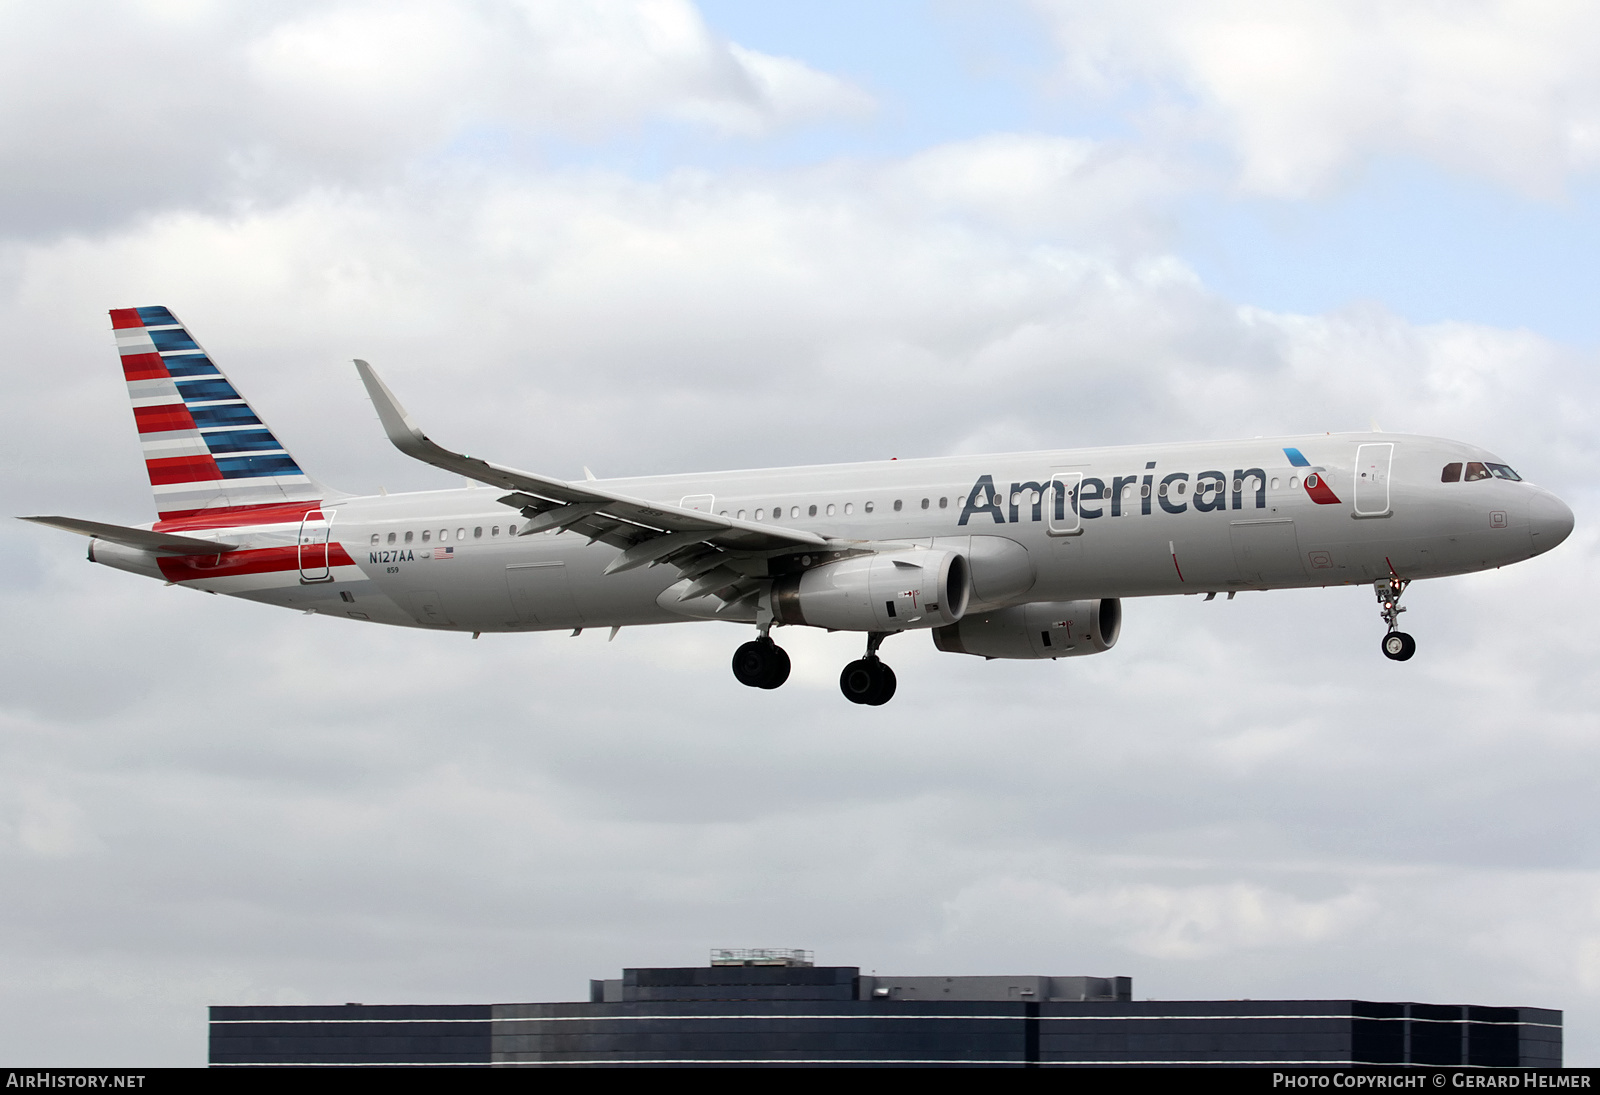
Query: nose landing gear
867	680
1397	645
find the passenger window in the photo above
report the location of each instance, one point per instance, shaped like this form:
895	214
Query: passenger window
1452	473
374	538
924	503
444	534
461	534
830	509
812	512
1475	471
867	507
794	511
1127	492
1294	481
425	536
1144	491
741	515
1181	486
944	503
1274	482
495	531
391	537
897	505
477	533
849	508
408	537
760	513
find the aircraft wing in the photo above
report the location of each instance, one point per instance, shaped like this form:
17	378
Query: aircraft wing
646	532
161	543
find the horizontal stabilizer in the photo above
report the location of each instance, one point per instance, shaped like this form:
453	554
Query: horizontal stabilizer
161	543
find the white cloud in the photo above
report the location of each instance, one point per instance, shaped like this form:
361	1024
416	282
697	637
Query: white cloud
1303	93
105	111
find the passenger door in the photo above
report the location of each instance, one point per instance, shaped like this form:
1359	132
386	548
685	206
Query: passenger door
315	529
1372	479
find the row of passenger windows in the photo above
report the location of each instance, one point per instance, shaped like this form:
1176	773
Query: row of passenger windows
1475	471
997	498
831	509
443	534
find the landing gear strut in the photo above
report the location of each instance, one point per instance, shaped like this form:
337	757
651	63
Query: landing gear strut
1397	645
867	680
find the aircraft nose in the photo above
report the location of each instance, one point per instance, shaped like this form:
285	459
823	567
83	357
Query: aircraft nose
1549	521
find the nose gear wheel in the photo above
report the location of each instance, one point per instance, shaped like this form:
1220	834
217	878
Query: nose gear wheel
1397	645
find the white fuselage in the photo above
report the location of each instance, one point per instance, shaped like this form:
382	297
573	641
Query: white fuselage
1047	526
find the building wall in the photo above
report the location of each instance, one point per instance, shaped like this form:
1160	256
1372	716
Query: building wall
1268	1032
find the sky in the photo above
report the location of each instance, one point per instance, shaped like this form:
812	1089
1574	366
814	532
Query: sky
655	236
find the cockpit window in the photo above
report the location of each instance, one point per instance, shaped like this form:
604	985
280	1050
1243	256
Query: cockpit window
1476	471
1452	473
1501	471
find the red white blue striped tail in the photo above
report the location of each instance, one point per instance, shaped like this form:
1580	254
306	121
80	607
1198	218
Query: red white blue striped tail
211	459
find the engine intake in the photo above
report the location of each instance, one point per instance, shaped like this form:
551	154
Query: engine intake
891	591
1042	629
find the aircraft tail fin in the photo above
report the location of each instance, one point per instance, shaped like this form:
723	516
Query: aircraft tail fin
211	460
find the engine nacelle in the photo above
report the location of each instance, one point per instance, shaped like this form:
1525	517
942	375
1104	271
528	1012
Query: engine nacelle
1042	629
893	591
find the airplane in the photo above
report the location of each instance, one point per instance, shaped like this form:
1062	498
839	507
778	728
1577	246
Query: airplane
1017	556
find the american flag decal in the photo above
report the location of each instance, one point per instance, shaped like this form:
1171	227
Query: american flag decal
445	553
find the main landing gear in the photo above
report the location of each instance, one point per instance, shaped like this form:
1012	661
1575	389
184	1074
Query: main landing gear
1397	645
867	680
762	663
